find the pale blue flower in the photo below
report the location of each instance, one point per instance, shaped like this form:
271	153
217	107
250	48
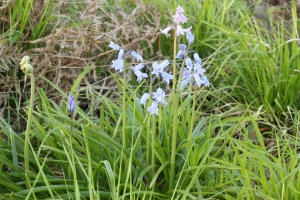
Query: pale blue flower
186	74
189	63
136	56
197	58
144	98
186	77
198	65
138	67
182	51
198	79
166	77
159	96
193	71
137	71
140	75
184	83
72	104
163	64
118	64
158	68
198	69
121	53
114	46
189	37
205	80
182	46
153	109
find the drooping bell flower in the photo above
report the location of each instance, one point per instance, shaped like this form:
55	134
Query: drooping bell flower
72	104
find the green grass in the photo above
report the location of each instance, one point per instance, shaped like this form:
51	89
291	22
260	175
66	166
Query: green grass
215	165
237	139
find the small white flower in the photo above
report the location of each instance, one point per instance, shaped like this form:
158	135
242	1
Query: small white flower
163	65
181	31
189	63
140	75
184	83
159	96
114	46
136	56
166	30
205	80
186	74
190	37
198	79
121	53
182	51
179	16
158	68
197	58
153	109
155	68
186	78
198	69
138	67
166	77
118	64
144	98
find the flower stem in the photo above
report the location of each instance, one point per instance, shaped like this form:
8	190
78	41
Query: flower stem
71	147
174	58
148	126
175	113
175	99
192	121
27	132
153	143
124	111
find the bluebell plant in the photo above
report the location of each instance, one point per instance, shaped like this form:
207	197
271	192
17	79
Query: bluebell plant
72	104
189	72
192	72
71	108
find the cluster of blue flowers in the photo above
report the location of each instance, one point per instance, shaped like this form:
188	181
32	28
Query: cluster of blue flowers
192	72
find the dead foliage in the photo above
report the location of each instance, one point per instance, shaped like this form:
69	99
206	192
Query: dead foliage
77	38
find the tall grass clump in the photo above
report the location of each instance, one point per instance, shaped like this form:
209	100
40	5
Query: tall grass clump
258	65
182	128
20	19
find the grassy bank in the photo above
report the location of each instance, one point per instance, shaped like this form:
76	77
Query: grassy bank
234	139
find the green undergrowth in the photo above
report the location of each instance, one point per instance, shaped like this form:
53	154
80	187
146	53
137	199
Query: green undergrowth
215	163
237	139
254	63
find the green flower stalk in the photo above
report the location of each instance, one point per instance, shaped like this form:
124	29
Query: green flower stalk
192	73
118	64
71	108
189	72
27	68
